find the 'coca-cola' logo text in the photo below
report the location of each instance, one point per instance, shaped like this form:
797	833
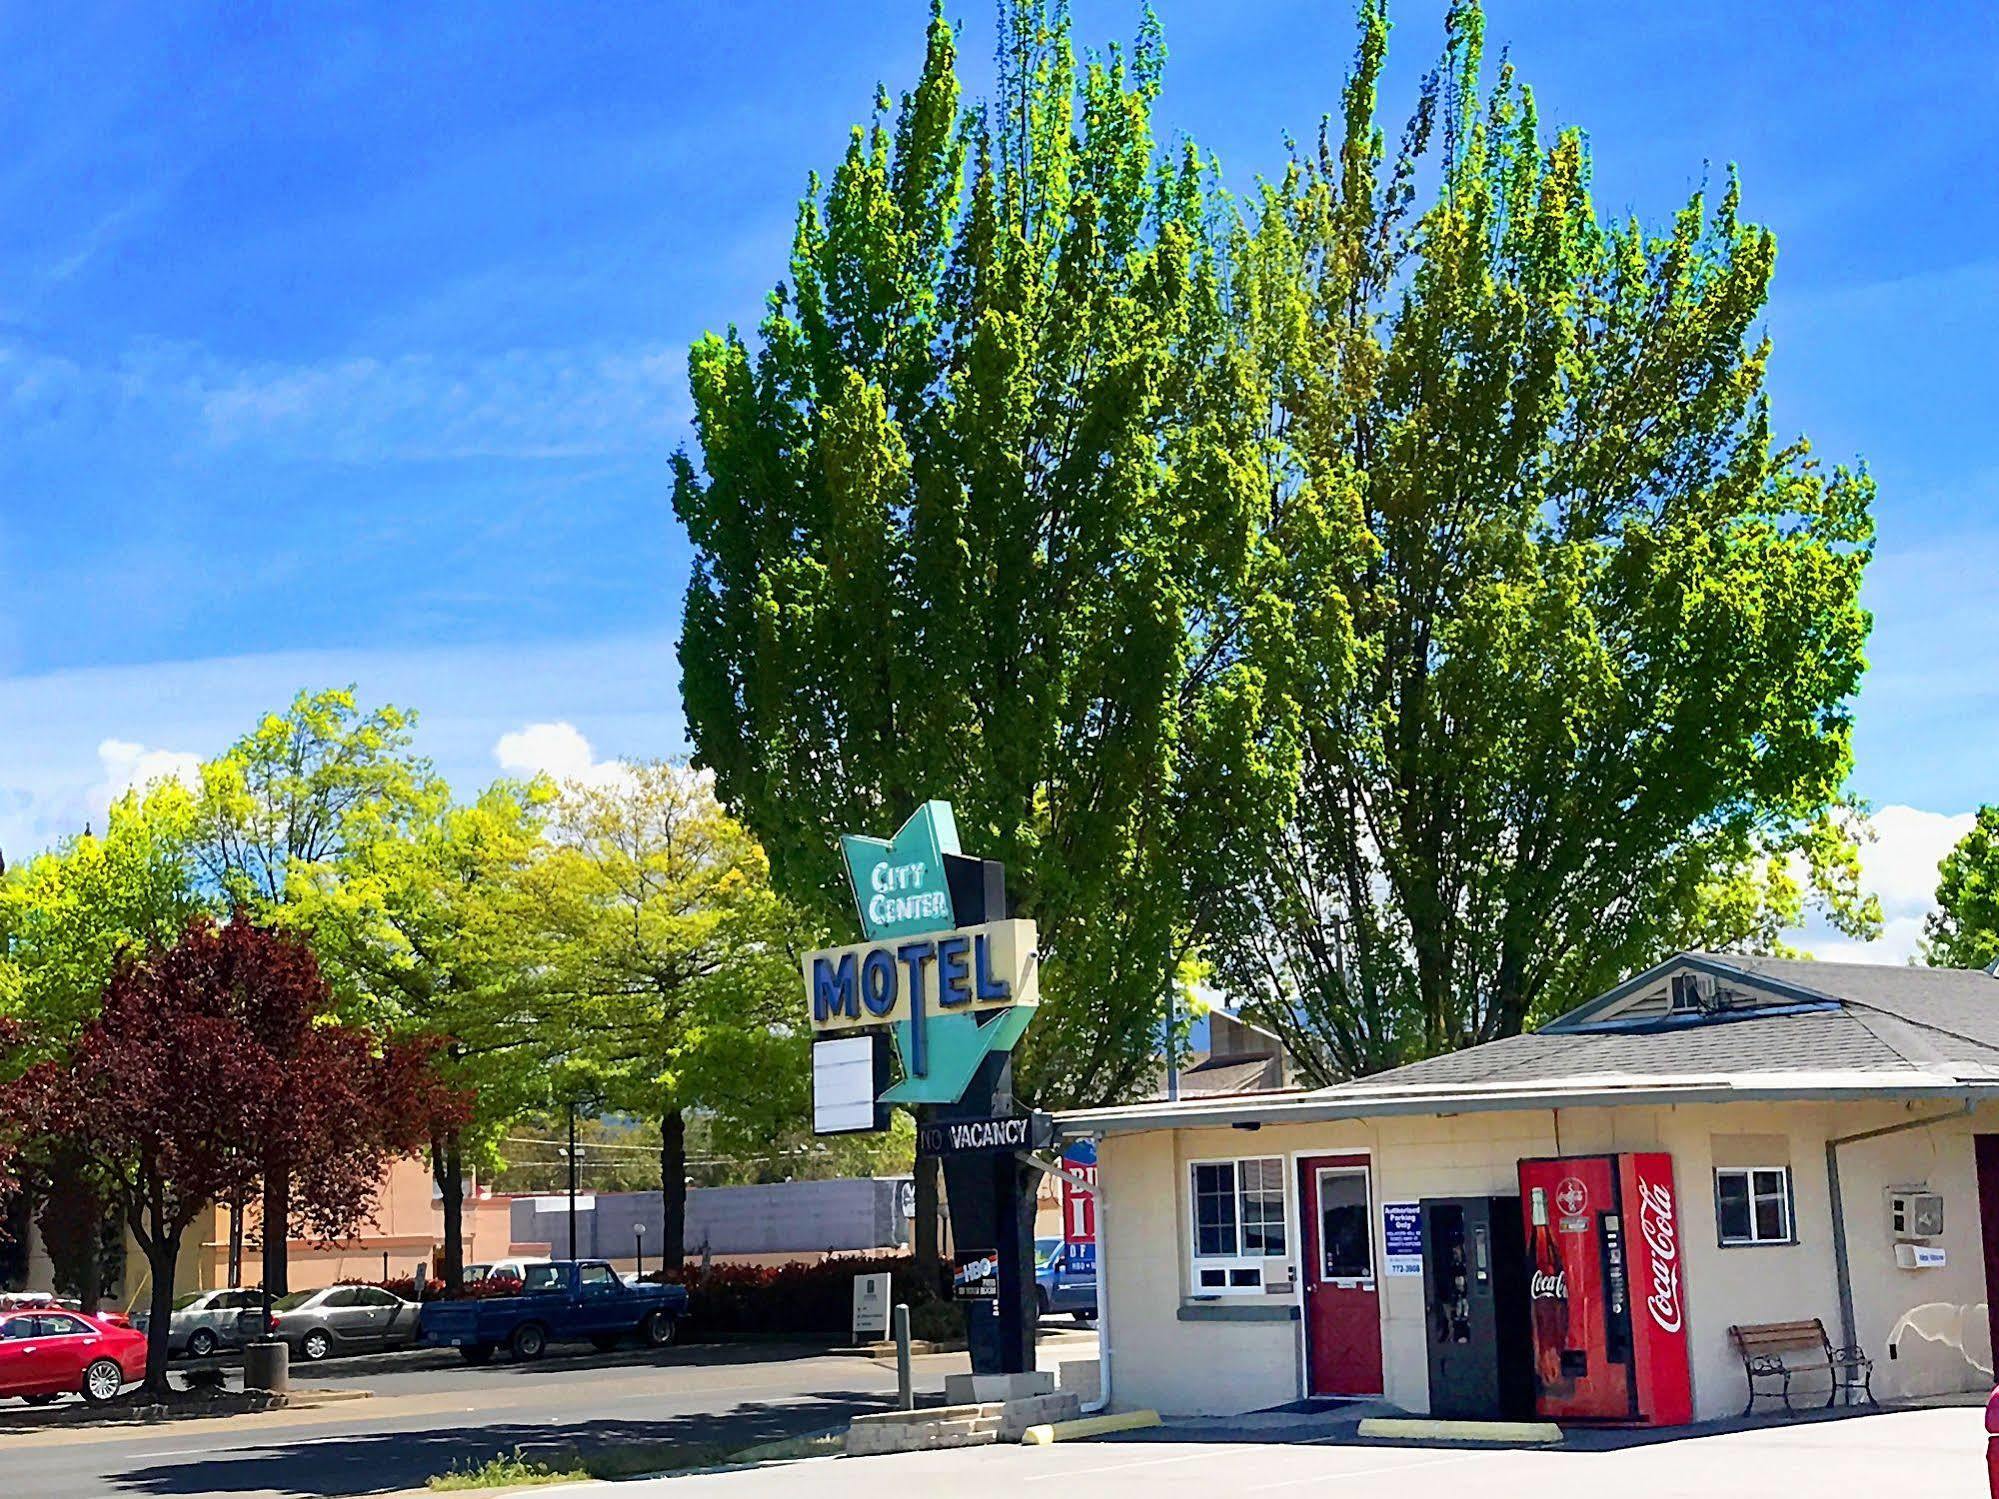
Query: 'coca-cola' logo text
1544	1285
1656	1226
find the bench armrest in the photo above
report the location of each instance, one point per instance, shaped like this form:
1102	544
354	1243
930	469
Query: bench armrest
1849	1357
1761	1364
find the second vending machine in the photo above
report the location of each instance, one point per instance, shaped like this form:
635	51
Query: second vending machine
1605	1290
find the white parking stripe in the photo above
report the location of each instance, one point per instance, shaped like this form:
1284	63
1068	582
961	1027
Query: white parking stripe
1342	1473
1218	1450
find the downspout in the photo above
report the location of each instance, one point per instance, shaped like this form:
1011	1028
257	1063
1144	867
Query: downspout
1849	1335
1103	1400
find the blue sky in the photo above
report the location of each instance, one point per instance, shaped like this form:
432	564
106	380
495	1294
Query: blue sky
345	343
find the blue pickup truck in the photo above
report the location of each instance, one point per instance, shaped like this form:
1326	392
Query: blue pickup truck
562	1301
1065	1279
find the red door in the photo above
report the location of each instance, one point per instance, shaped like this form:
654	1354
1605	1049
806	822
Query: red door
1342	1306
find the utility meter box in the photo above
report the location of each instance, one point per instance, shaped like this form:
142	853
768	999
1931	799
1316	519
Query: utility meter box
1914	1213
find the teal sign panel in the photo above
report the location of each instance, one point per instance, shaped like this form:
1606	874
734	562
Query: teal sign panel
899	884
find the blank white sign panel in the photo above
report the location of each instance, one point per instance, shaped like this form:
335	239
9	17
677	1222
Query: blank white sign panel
843	1085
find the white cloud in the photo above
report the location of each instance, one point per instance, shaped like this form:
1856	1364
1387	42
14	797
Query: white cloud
56	774
562	403
1901	864
128	766
526	404
1900	868
1897	944
557	750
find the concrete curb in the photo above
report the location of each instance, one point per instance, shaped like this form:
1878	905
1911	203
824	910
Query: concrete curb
977	1425
1422	1429
1088	1426
230	1407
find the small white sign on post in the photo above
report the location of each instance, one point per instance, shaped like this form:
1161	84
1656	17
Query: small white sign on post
870	1306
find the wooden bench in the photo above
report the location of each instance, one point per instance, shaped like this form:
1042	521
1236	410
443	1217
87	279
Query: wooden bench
1776	1352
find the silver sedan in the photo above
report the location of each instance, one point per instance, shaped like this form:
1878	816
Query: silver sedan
343	1319
204	1321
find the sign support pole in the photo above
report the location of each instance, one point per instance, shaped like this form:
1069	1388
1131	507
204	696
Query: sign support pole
992	1208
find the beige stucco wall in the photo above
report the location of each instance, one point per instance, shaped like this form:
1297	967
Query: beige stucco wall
1936	1318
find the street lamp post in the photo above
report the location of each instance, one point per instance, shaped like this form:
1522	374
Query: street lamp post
639	1244
572	1179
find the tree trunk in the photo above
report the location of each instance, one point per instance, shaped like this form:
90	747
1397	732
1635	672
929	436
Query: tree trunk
90	1269
277	1231
236	1241
448	1166
16	1217
673	1190
924	1231
1510	1002
162	1255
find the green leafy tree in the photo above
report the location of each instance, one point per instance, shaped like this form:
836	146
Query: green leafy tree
300	788
69	914
291	797
1606	625
437	927
66	918
677	968
1963	931
984	516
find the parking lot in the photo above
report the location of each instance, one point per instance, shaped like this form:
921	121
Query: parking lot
430	1411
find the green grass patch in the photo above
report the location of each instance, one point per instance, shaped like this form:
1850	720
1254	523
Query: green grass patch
505	1473
626	1460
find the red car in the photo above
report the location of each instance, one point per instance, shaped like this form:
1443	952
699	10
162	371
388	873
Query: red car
47	1352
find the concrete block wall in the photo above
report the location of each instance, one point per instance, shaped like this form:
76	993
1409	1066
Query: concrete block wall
806	1218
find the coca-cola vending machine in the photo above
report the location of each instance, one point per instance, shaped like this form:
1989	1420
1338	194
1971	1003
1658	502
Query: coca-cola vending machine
1605	1290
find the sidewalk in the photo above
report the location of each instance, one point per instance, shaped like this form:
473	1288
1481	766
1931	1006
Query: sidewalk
1937	1453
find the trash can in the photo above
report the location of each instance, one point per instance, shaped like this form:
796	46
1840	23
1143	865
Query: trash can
267	1366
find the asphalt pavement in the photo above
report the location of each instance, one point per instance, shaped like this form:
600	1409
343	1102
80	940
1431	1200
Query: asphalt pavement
431	1411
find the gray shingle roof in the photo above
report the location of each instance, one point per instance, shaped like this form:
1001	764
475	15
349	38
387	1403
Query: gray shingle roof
1888	1021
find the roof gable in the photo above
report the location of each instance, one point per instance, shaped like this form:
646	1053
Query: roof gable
1766	1016
1727	988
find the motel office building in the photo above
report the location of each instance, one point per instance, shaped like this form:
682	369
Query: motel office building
1830	1134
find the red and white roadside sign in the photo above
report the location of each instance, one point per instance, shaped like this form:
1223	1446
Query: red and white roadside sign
1079	1205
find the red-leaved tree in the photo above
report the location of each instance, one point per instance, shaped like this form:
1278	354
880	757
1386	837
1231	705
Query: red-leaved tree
213	1066
163	1092
16	1114
339	1104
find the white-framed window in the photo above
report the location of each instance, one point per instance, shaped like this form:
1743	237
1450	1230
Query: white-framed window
1237	1222
1752	1204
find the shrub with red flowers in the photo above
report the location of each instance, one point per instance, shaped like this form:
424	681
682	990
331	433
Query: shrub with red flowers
404	1286
798	1299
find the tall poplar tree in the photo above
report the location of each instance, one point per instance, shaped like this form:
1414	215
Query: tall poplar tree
982	514
1608	626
